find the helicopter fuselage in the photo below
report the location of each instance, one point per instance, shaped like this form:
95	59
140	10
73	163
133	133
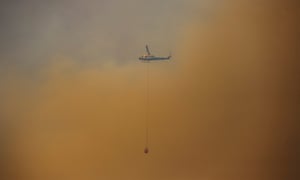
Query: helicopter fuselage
153	58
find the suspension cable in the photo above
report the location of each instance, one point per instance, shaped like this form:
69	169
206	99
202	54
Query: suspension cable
146	150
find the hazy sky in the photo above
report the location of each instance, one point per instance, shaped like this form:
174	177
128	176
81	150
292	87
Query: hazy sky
73	93
91	31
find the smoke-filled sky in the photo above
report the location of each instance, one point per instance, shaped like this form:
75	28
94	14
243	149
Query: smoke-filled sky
73	93
91	31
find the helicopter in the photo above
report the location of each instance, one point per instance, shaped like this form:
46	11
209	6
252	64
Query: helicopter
150	57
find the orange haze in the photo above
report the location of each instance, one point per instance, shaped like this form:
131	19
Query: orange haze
226	107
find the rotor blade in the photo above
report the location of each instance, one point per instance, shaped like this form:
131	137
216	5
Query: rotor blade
147	49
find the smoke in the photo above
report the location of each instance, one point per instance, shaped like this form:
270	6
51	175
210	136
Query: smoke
226	107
